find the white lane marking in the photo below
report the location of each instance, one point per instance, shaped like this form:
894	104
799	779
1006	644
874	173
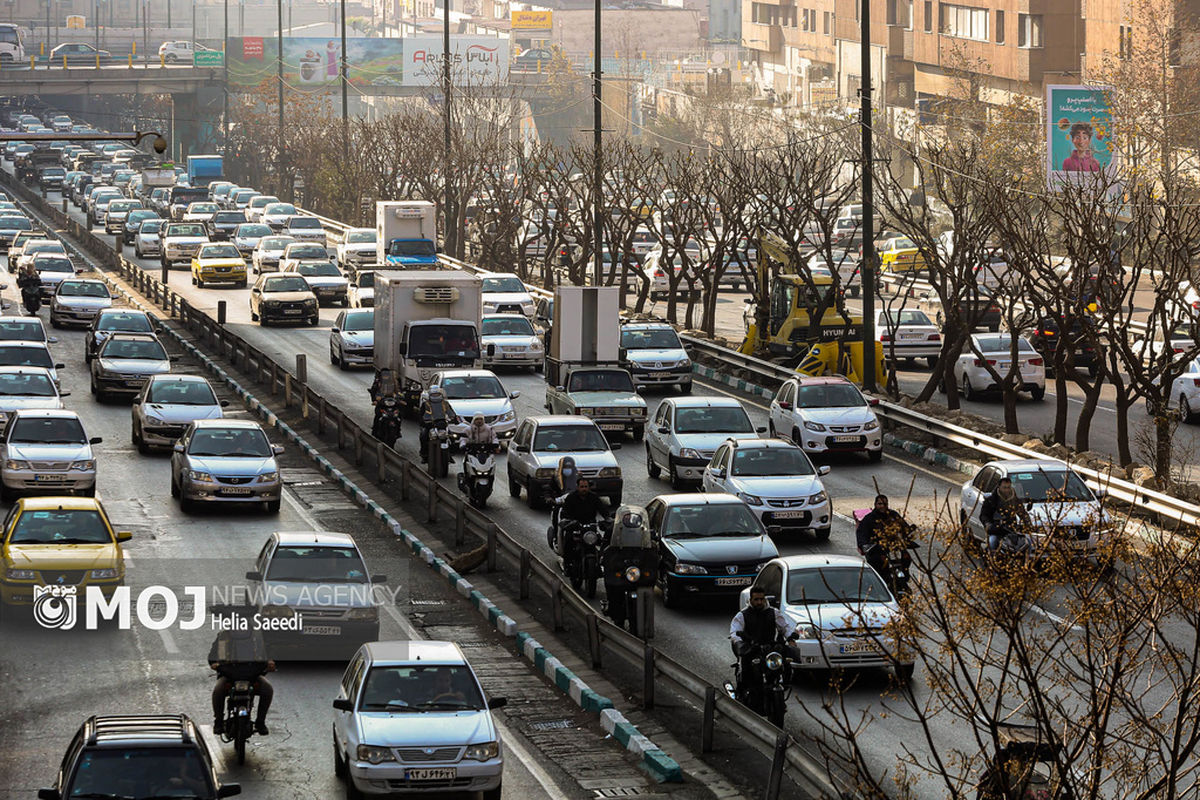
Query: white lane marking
300	510
1055	618
168	641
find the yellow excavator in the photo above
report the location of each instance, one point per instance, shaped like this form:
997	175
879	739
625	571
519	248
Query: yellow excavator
835	346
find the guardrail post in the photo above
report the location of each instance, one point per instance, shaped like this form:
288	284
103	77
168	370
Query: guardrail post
166	275
431	511
64	205
648	676
380	463
492	546
593	631
460	524
302	379
710	717
287	389
274	376
118	244
340	420
322	410
405	478
526	573
645	612
777	761
220	312
358	447
556	603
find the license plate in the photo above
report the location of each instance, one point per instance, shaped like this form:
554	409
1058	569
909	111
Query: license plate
742	581
235	490
912	335
788	514
514	355
846	439
611	426
859	647
49	478
321	630
1003	365
133	383
431	774
291	311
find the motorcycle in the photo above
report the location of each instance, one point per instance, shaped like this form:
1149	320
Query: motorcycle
478	473
766	691
239	717
31	297
581	544
630	565
897	563
566	478
388	415
438	448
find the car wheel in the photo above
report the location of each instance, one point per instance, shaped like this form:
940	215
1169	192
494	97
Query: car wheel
685	388
315	320
771	430
340	768
931	361
514	488
875	455
54	323
272	506
89	492
493	794
198	281
639	431
904	672
253	317
185	505
532	498
652	469
333	359
797	439
1185	409
175	489
241	285
264	320
140	440
822	534
7	495
668	597
676	482
1038	392
172	58
968	391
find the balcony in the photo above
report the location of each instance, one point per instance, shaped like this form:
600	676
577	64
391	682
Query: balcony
767	38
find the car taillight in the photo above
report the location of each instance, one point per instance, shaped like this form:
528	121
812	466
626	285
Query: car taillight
1046	333
1035	362
980	362
1196	381
1178	350
658	273
885	338
934	337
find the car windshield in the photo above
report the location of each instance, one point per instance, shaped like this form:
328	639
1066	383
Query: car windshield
417	247
360	237
122	205
181	393
279	208
1043	485
230	443
191	229
60	526
829	395
359	321
472	387
835	585
720	419
431	341
307	251
202	208
220	251
275	242
131	321
366	280
420	689
150	226
285	283
16	223
762	462
53	172
323	269
507	326
503	285
652	339
1001	344
11	356
229	216
250	230
569	439
704	519
53	265
26	385
83	289
21	331
610	380
42	430
133	348
901	243
317	565
131	771
906	317
139	215
304	222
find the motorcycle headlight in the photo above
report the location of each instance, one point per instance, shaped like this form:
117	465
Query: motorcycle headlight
632	574
590	538
816	499
268	477
774	661
609	472
13	463
483	752
83	466
199	476
374	755
20	574
688	452
690	569
507	416
814	426
870	426
750	499
109	573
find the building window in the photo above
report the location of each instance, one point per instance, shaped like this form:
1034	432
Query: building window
1125	43
929	16
899	12
999	27
1029	30
765	14
963	22
908	14
827	19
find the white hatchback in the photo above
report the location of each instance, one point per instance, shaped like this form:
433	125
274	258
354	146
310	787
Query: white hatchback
826	414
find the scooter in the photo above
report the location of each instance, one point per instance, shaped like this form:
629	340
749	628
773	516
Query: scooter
478	473
388	415
31	297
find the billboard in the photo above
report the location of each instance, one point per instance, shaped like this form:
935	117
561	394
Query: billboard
476	60
1079	143
532	21
314	63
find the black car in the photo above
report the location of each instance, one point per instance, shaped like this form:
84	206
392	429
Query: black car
138	755
79	53
114	320
1046	334
709	545
977	307
222	225
51	178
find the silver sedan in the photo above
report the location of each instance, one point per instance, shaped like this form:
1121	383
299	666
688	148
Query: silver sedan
226	461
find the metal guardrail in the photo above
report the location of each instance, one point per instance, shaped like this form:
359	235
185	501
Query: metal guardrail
441	503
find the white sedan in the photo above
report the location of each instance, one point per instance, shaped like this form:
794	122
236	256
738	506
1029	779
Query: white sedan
908	334
973	373
1185	393
513	339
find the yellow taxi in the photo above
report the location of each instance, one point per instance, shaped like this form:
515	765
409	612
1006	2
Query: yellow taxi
218	262
900	254
59	541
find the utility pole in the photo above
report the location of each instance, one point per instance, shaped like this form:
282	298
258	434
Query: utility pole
225	62
345	92
279	60
450	216
867	267
597	159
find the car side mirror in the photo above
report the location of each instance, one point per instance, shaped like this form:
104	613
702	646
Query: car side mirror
64	394
402	349
379	579
177	447
640	389
229	790
664	430
343	704
254	575
335	330
514	395
761	429
497	702
823	469
60	366
255	290
560	388
49	339
96	440
522	448
277	449
719	473
224	404
124	536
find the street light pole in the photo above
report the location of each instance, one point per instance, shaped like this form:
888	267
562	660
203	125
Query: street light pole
345	91
225	63
867	267
597	159
449	199
279	59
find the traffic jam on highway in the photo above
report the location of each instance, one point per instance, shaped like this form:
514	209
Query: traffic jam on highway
639	479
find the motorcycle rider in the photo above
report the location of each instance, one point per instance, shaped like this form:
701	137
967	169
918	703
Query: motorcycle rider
30	285
481	434
241	655
578	507
757	624
383	385
385	406
434	411
1003	514
880	531
566	476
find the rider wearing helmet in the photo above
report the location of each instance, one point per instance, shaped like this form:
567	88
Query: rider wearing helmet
434	411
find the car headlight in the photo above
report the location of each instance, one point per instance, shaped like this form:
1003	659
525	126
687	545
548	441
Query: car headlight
816	499
536	344
808	632
507	416
688	452
363	614
542	473
84	466
609	472
814	426
870	426
632	574
749	499
483	752
20	574
639	412
270	303
310	301
774	662
268	477
199	476
374	755
585	411
106	574
13	463
685	363
689	569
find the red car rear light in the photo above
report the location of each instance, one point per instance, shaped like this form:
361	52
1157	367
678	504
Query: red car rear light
1196	381
885	338
980	362
1035	362
934	337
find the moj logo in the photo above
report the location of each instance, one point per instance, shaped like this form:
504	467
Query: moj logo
156	607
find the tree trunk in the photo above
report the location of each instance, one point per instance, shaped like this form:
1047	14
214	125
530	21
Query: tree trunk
1060	403
1162	444
1008	393
1123	402
1083	426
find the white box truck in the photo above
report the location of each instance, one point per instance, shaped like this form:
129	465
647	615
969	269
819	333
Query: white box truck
406	233
426	321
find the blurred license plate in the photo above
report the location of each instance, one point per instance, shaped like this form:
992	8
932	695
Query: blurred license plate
788	514
133	383
321	630
514	355
1003	364
846	439
611	426
291	311
235	490
49	478
431	774
741	581
911	335
859	647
